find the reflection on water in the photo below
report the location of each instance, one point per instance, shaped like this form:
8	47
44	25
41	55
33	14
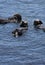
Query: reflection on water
28	49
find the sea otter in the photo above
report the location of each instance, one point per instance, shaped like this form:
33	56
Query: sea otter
38	24
18	32
14	19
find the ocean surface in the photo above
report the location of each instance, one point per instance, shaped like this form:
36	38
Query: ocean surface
29	49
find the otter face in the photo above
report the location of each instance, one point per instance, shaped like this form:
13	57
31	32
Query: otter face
15	18
18	18
37	22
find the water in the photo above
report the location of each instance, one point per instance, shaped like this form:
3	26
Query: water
29	49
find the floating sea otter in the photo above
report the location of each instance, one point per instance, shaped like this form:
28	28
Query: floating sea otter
14	19
38	24
18	32
21	30
17	18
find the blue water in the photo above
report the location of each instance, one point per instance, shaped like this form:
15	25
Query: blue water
29	49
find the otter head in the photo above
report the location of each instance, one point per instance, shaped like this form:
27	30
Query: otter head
18	18
15	18
17	32
24	24
37	22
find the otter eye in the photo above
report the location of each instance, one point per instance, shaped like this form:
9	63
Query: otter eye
15	17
